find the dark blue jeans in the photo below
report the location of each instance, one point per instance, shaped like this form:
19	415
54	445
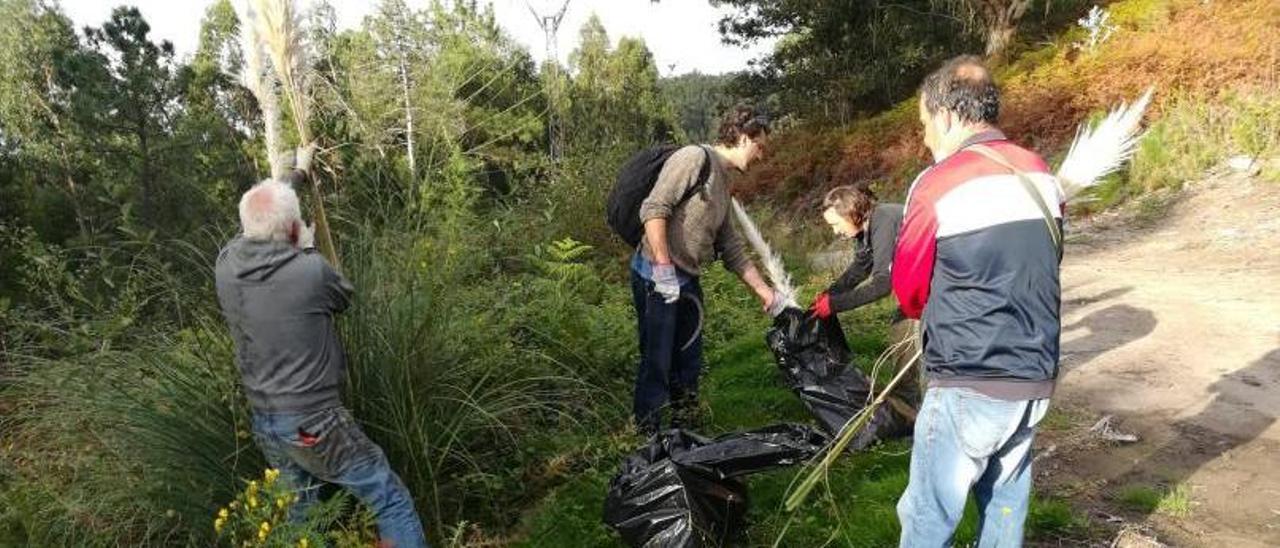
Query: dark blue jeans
328	446
670	350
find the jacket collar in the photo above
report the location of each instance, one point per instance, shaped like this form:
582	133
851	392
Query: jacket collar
982	137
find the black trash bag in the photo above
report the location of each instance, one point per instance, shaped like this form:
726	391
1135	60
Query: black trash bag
681	489
744	453
813	355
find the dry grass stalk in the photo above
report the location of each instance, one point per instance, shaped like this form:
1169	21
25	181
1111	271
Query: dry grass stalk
262	84
851	429
277	29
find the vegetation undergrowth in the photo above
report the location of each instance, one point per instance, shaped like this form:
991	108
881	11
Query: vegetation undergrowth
742	390
1211	62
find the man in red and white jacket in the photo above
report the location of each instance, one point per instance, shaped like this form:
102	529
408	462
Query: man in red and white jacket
977	262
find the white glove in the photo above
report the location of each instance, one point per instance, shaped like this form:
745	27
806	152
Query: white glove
303	155
666	283
775	305
307	236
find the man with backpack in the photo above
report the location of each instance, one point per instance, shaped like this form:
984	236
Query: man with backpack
977	259
674	206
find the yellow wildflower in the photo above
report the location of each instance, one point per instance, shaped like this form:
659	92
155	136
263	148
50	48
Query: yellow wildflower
253	502
281	502
303	542
218	524
271	475
224	513
264	530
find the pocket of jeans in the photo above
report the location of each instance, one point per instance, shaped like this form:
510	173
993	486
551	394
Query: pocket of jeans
983	424
333	442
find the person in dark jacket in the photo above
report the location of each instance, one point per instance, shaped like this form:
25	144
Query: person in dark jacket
977	260
279	297
853	213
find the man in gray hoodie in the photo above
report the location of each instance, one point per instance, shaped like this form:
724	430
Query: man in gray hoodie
279	297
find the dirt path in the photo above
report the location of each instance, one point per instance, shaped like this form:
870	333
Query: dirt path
1174	328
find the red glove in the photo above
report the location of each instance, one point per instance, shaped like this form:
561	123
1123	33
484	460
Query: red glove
821	306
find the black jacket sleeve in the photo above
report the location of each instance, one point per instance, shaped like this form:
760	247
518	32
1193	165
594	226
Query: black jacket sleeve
856	273
870	269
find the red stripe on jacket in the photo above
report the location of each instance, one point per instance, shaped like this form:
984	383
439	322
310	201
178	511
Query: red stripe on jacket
917	240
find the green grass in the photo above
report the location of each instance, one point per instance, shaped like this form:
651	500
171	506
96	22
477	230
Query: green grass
855	507
1175	501
1060	419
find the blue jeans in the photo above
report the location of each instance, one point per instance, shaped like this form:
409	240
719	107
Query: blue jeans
328	446
670	350
967	441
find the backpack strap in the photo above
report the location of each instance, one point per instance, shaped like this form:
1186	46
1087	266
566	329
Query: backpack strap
1027	184
704	174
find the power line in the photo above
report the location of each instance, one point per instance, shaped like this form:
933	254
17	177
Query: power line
550	24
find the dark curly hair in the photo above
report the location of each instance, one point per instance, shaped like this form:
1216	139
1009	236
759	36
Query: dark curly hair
742	120
963	86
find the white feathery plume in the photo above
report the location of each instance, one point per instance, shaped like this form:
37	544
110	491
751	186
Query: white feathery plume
279	30
257	77
772	261
1102	149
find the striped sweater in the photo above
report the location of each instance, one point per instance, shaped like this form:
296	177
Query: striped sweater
976	263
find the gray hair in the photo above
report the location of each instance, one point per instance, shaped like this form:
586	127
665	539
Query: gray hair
269	210
963	86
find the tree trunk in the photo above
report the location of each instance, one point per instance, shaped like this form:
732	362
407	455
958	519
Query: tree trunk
998	39
1001	18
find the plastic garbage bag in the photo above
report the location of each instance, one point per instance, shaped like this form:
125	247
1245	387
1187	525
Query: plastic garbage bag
682	489
743	453
813	355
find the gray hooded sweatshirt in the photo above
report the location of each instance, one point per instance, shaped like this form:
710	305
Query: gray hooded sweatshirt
279	302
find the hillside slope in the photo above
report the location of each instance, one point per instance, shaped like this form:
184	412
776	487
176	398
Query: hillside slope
1182	47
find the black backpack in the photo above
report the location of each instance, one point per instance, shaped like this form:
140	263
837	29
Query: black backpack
635	182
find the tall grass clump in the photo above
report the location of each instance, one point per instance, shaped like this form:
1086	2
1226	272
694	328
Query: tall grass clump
128	431
1197	133
440	377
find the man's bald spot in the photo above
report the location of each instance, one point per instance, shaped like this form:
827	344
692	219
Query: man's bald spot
965	87
269	211
971	72
261	199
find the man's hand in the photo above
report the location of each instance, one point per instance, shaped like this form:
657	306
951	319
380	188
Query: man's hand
306	236
666	283
774	304
303	155
821	306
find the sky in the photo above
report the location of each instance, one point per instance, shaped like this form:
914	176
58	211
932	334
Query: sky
681	33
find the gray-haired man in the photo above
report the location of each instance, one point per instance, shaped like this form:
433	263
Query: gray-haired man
279	298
